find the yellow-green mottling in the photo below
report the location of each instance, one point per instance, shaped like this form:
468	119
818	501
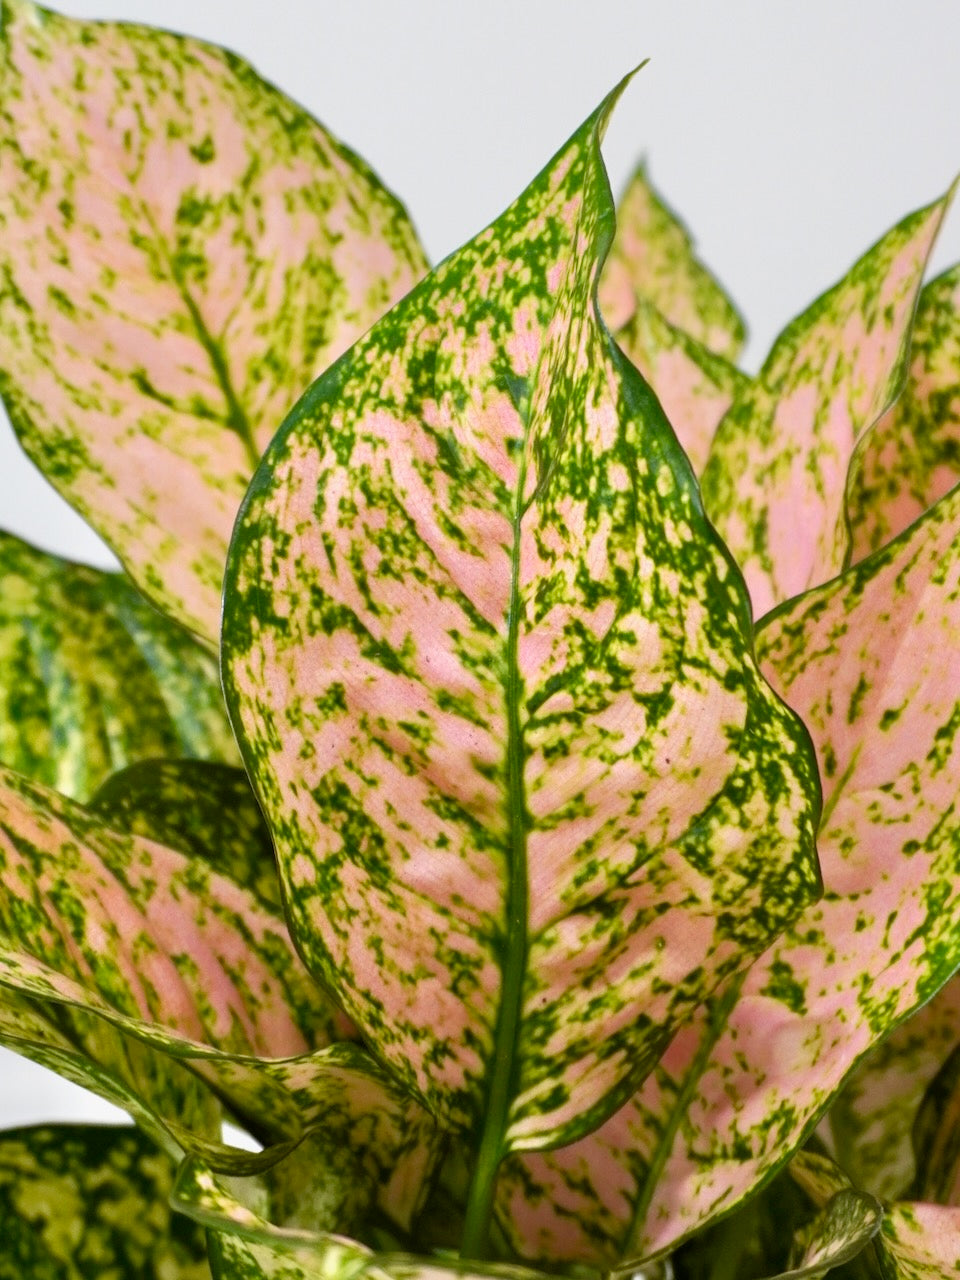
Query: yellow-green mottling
86	1202
92	678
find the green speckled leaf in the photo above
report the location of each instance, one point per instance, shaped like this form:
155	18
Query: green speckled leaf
694	386
92	678
912	455
182	249
131	936
936	1137
652	258
84	1202
921	1242
205	810
872	1119
774	484
253	1237
493	677
844	1227
871	663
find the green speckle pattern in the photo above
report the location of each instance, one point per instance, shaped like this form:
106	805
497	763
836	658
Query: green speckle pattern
205	810
182	250
106	933
653	259
911	457
492	674
775	481
694	385
92	678
84	1202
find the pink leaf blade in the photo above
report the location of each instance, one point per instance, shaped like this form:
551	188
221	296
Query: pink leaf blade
694	385
473	559
774	484
869	661
653	259
911	456
183	250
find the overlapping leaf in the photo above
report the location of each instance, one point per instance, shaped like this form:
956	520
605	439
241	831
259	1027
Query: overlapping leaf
92	678
493	677
774	484
912	455
206	810
871	663
249	1240
872	1119
82	1200
161	948
652	258
182	249
694	386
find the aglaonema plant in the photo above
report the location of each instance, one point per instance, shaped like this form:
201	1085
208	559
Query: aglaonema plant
579	895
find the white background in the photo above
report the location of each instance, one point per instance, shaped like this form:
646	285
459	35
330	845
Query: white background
789	136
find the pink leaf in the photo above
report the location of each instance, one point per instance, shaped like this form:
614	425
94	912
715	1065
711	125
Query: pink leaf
184	249
774	484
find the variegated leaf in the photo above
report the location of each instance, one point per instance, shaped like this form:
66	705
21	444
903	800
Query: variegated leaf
936	1137
694	386
916	1241
205	810
872	1119
921	1242
78	1201
912	455
493	677
871	663
774	484
652	258
847	1223
126	932
250	1240
182	249
92	678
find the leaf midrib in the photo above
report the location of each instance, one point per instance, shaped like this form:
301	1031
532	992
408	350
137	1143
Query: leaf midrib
501	1079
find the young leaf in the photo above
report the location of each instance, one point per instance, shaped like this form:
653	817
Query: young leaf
493	677
182	249
872	1119
652	259
93	678
912	455
870	662
774	484
82	1200
205	810
694	386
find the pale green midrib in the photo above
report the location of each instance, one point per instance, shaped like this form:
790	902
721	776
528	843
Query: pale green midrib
237	420
834	797
501	1076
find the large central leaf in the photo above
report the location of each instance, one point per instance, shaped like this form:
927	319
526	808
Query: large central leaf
493	675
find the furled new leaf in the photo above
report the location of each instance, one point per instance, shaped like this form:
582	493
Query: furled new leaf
912	456
78	1201
871	663
694	386
92	678
652	258
494	680
774	484
205	810
182	250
